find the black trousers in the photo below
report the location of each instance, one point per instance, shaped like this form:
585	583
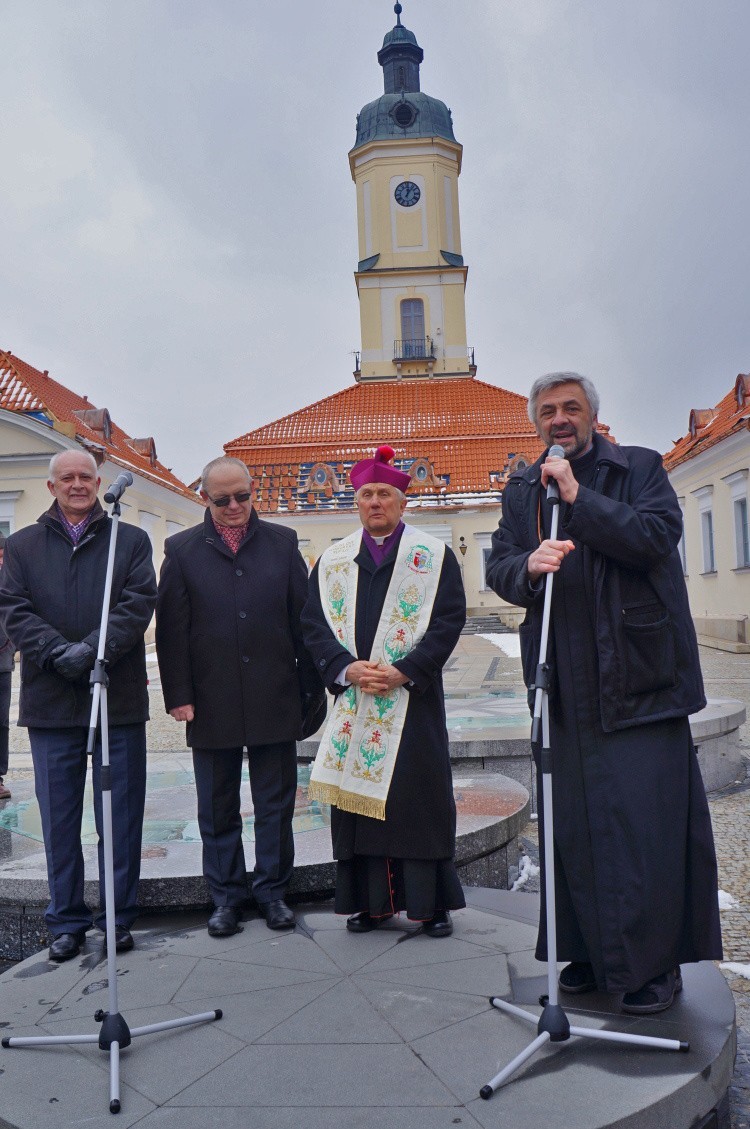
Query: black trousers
5	685
60	764
273	784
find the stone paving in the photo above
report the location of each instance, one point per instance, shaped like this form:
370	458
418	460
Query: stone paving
480	667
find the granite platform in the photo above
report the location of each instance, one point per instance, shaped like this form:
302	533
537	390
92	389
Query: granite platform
491	809
327	1029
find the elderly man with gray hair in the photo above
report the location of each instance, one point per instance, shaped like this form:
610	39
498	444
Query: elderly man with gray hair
51	596
234	668
635	870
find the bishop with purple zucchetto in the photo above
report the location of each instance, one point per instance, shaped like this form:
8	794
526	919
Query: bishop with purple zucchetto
385	611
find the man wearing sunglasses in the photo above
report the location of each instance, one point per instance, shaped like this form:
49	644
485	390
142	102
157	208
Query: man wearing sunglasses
234	668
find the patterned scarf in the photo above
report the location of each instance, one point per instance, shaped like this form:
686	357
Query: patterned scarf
231	535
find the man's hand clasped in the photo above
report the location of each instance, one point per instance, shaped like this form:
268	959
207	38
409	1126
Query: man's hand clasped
551	554
373	677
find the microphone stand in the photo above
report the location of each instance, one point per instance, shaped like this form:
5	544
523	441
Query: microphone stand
114	1034
553	1025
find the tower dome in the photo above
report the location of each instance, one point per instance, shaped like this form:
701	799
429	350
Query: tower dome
402	111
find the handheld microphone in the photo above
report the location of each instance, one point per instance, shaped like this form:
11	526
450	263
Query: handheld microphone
119	486
553	490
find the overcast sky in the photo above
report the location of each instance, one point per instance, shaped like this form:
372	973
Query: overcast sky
178	222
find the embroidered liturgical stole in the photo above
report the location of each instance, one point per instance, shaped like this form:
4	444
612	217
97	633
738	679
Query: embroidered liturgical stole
357	752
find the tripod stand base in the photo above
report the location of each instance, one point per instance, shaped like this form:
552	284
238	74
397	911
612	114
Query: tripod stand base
553	1026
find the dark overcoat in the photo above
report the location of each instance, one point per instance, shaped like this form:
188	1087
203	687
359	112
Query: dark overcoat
629	525
228	635
635	870
420	812
51	592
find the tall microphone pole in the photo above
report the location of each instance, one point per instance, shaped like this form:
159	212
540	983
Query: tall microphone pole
553	1025
114	1033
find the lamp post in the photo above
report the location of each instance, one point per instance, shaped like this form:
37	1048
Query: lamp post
462	547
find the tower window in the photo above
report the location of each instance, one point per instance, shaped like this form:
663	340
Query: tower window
404	114
413	342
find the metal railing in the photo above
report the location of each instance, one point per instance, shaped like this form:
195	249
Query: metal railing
414	349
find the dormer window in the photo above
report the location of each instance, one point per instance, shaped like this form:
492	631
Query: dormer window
98	420
742	390
700	418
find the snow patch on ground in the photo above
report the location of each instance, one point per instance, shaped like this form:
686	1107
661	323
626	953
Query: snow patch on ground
726	901
528	870
737	969
509	644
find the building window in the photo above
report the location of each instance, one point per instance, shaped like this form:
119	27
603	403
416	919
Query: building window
705	499
8	499
412	328
737	483
681	545
707	536
485	561
740	533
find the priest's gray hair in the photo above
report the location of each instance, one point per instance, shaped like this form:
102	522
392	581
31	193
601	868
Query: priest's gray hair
55	460
224	461
552	379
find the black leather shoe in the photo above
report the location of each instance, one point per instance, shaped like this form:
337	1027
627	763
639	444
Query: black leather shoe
363	923
225	921
440	925
123	940
277	914
64	947
655	995
577	977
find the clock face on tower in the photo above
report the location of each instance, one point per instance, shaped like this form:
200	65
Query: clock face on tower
407	193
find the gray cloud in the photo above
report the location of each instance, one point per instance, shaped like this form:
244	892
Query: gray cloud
178	218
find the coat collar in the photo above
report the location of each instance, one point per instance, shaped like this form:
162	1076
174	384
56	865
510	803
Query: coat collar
216	540
609	454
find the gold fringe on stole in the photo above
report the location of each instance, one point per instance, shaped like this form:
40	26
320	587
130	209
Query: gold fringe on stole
325	793
346	801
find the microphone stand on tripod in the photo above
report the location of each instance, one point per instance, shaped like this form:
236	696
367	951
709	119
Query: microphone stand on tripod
553	1025
114	1033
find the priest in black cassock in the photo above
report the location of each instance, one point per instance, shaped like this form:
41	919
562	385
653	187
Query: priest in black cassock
385	611
635	869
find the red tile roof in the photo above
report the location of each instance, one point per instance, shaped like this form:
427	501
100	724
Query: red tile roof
28	391
470	435
708	426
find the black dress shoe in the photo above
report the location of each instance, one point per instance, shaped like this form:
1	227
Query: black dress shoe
577	977
225	921
440	925
277	914
64	947
123	940
655	995
363	923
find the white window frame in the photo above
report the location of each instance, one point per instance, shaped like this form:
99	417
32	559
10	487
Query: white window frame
705	500
483	541
737	484
681	547
8	499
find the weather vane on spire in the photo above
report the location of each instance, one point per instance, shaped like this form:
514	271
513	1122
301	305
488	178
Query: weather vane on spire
398	10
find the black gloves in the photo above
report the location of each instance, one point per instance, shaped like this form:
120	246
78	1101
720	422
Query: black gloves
72	660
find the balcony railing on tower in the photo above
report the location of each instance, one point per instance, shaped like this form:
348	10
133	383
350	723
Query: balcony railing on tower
414	349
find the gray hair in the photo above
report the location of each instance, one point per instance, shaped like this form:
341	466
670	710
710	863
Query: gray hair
552	379
54	461
225	461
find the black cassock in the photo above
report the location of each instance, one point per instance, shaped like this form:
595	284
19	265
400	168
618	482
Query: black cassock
635	870
404	862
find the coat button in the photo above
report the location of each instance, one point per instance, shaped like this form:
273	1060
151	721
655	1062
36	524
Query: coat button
238	571
243	615
245	659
